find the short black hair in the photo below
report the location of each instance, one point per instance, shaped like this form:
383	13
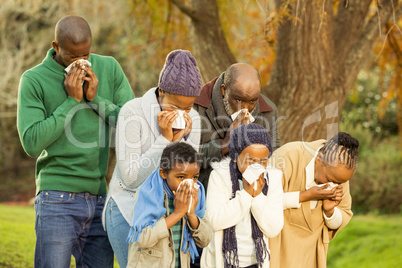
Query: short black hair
342	149
72	29
178	152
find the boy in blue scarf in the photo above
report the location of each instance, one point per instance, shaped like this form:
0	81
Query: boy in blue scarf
168	213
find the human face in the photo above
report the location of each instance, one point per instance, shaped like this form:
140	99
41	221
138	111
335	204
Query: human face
180	172
68	52
324	173
171	102
243	95
253	154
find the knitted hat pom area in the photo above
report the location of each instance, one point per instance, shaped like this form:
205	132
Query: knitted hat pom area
180	74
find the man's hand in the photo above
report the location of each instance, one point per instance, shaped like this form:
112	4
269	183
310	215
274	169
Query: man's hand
242	118
91	82
73	82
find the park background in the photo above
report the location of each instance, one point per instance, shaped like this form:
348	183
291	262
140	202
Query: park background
328	65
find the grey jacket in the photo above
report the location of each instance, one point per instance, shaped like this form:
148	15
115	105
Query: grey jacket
155	245
215	122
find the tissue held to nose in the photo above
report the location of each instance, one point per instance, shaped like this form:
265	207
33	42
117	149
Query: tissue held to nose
179	123
252	173
80	60
233	116
67	69
191	183
330	187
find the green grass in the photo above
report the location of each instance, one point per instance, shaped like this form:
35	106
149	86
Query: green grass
17	237
367	241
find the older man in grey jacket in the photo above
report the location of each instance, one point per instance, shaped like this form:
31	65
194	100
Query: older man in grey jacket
226	102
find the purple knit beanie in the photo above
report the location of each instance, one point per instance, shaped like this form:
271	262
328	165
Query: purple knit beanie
180	75
245	135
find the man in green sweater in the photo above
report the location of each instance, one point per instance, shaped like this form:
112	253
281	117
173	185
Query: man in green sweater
64	118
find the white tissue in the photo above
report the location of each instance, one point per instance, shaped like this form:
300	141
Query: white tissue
192	184
252	174
330	187
252	119
67	69
179	123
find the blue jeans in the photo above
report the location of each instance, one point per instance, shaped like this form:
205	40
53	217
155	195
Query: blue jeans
117	230
70	224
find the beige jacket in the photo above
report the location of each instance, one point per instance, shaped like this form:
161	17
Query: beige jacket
303	241
155	246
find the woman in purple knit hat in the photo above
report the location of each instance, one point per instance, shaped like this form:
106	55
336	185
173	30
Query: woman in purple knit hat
145	126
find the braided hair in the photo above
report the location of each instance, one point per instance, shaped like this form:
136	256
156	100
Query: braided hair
341	149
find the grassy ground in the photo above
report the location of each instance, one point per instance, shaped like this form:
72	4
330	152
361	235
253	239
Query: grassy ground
368	241
17	237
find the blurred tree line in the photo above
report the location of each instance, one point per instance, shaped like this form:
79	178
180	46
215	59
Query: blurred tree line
308	53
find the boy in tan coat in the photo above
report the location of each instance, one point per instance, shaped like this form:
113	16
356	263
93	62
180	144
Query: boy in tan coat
317	201
168	216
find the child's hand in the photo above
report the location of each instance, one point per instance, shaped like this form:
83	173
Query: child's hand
250	187
192	218
194	203
182	200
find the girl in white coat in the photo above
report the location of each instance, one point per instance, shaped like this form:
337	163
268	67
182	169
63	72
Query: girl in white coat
244	202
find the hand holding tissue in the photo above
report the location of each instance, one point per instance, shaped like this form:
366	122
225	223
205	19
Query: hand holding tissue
191	183
179	123
233	116
330	187
252	174
85	62
67	69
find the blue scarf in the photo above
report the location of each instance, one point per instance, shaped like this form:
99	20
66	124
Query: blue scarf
149	208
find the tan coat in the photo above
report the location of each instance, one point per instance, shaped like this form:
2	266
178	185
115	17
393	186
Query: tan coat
303	241
155	246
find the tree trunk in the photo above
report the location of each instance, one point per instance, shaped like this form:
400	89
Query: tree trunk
209	44
317	61
318	57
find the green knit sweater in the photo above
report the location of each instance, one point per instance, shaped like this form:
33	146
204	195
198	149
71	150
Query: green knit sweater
70	138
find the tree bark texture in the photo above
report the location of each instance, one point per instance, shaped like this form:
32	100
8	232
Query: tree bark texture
318	58
209	44
320	49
